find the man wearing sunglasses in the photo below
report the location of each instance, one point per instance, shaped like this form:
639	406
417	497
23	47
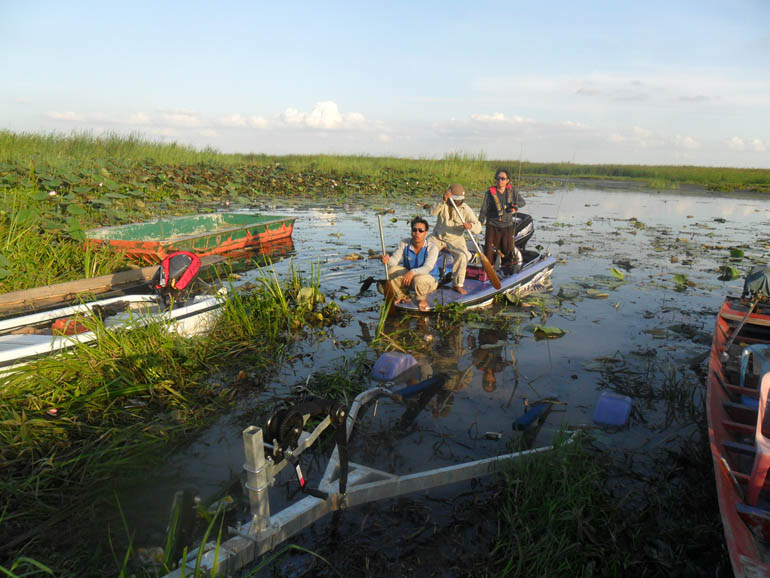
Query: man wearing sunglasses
498	207
414	264
449	232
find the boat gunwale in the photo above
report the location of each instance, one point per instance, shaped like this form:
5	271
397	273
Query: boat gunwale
187	237
745	555
543	262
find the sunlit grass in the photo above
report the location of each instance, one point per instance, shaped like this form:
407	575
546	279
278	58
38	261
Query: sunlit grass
126	400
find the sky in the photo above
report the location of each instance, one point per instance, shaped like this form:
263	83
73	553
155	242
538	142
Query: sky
630	82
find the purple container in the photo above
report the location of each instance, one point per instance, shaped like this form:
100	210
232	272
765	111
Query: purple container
391	364
612	408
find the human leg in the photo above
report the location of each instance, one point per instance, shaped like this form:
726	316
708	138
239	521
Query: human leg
423	286
396	282
461	256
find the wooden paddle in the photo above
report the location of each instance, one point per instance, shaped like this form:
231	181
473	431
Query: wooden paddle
388	291
484	261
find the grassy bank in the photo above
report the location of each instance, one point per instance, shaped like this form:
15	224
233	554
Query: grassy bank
79	160
122	404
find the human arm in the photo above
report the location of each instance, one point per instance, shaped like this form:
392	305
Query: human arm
518	200
471	222
483	210
394	260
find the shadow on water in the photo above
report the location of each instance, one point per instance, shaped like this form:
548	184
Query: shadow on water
630	324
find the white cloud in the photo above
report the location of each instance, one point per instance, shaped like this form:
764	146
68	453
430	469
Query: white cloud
686	142
736	144
325	116
66	115
758	146
500	118
233	120
180	118
138	118
573	124
616	138
208	132
258	122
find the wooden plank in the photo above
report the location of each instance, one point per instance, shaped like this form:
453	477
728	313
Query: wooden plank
31	299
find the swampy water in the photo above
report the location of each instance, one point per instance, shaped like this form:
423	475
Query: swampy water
644	336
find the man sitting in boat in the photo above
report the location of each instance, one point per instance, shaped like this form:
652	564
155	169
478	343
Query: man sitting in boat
500	204
449	232
414	264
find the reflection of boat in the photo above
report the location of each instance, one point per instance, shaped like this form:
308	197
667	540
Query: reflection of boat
739	446
265	252
204	234
536	268
38	334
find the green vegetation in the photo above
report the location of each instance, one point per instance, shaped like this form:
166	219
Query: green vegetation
577	528
126	401
133	397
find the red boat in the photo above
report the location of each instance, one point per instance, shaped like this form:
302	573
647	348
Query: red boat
738	385
206	234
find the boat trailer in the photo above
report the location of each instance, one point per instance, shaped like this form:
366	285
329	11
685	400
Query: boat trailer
344	484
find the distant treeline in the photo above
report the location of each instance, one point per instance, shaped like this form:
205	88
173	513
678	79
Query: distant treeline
56	150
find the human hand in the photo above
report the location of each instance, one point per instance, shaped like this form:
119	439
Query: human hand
447	195
385	258
468	226
407	278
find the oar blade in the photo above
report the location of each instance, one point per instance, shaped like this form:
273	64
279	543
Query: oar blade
491	273
388	291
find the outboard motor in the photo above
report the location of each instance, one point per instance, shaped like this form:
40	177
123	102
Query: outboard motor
524	227
175	274
757	283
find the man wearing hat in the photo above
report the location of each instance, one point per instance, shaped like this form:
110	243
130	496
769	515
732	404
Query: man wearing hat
449	232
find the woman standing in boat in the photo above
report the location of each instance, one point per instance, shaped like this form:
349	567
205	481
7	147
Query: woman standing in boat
414	264
499	206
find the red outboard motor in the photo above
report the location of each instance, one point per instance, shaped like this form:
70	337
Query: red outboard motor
175	274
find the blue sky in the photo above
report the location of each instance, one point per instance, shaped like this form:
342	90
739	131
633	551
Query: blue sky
654	82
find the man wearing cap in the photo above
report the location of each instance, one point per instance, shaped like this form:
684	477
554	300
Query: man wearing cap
449	232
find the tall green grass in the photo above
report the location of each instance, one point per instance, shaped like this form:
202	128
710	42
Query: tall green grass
473	170
126	401
57	149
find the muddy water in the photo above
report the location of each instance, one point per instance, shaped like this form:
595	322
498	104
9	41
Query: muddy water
637	337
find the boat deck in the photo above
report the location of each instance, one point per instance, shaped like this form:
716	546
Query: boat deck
536	268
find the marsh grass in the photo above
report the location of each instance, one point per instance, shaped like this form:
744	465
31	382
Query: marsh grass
471	169
579	528
125	401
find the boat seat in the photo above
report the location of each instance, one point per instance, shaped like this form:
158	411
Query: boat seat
761	442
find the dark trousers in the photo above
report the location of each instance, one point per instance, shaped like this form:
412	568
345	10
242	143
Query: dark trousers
500	238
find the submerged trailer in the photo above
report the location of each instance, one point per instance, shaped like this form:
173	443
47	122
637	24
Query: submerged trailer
344	484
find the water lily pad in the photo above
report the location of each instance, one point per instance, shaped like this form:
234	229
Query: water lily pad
728	273
547	332
617	273
596	294
4	273
736	253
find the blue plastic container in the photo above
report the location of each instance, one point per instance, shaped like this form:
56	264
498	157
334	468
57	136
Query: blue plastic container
391	364
612	408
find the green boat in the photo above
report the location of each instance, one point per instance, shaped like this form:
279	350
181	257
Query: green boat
206	234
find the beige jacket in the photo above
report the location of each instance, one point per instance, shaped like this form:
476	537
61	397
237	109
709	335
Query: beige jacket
449	228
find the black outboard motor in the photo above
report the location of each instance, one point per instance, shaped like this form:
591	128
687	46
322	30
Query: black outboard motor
174	276
524	228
